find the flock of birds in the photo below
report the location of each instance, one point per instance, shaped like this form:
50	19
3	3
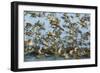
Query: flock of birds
45	51
68	53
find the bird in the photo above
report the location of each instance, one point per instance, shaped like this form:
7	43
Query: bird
55	22
71	52
29	44
51	34
40	51
33	14
83	22
87	33
28	25
59	50
45	43
28	33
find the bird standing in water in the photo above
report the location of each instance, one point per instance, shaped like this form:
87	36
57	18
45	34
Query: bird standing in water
28	45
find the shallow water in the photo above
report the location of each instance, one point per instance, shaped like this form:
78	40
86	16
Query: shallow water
33	58
29	58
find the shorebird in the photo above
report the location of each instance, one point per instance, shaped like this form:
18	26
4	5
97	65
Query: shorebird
40	51
28	43
63	53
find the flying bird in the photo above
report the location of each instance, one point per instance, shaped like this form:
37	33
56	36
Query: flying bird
51	34
28	25
55	22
